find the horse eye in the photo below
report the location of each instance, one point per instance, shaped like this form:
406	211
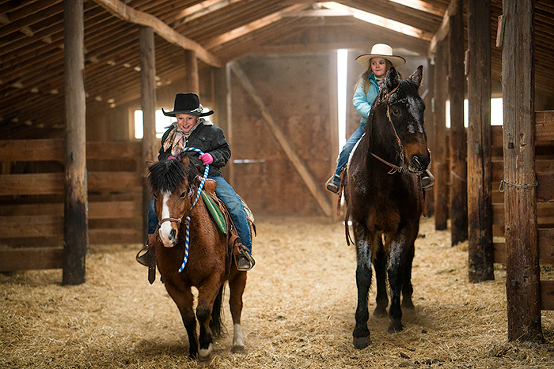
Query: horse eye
183	195
396	111
155	195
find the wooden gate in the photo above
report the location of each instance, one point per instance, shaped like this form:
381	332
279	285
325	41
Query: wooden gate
32	199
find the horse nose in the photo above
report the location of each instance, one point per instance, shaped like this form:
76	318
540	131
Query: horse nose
420	163
172	235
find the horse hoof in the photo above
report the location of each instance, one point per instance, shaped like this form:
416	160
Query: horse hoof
395	328
380	313
238	349
361	342
205	355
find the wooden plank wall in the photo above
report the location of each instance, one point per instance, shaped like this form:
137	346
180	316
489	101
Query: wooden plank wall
544	164
32	199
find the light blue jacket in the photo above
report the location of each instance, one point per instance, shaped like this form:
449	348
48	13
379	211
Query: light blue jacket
362	101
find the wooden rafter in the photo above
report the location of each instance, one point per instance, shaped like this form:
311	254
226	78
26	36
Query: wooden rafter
129	14
252	26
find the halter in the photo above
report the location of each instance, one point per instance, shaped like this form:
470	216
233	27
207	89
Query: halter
187	219
395	168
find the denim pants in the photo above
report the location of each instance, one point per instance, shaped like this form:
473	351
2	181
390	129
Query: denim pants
347	149
231	200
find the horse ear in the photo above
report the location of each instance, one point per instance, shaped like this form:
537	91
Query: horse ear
417	75
186	161
392	79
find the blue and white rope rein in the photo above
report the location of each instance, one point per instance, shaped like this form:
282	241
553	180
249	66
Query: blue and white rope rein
187	219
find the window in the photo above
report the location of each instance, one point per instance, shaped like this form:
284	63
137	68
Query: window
162	122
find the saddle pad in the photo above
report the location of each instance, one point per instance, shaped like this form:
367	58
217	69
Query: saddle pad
216	214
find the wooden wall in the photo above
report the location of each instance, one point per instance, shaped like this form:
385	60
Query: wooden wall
296	91
32	199
544	166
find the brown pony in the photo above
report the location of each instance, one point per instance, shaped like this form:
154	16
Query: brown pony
384	199
207	259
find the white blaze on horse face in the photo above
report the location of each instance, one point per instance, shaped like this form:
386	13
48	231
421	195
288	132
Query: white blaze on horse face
165	228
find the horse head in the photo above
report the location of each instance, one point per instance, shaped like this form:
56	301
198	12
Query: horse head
405	110
174	184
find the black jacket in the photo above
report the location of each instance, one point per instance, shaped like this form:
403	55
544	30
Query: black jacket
207	137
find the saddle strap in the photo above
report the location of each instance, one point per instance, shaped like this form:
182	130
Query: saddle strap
151	262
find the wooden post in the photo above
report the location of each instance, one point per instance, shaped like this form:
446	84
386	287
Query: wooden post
333	123
480	251
440	166
148	105
76	201
520	201
192	83
458	142
430	129
221	111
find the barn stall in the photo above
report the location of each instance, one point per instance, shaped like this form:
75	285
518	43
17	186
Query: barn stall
261	87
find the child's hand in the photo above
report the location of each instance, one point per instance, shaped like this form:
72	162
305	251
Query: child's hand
206	158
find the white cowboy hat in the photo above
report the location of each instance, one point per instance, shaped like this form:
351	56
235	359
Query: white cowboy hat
381	51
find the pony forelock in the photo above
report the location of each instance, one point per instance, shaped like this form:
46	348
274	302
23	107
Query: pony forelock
167	175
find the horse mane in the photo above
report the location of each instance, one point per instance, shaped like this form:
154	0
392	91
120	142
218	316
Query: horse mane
168	175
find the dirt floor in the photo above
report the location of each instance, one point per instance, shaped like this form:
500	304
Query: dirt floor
298	312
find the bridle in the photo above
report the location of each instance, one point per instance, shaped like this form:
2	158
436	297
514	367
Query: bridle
394	168
187	219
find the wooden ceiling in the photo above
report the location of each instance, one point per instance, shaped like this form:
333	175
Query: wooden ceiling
32	56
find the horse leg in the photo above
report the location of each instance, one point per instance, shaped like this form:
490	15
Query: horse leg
184	301
237	284
363	282
207	294
407	288
397	269
380	265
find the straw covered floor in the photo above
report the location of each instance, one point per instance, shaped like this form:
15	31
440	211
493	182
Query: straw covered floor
298	311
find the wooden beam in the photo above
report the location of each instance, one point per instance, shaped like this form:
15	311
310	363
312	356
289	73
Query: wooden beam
76	207
520	194
129	14
443	29
458	140
440	158
285	145
480	249
252	26
148	105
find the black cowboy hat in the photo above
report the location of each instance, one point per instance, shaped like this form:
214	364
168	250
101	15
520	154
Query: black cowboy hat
187	103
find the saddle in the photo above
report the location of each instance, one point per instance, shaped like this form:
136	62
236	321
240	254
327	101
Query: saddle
222	218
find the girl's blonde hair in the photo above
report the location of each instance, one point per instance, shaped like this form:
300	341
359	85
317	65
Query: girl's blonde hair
365	76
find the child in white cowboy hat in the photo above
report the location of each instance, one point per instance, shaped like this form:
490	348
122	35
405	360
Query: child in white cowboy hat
378	63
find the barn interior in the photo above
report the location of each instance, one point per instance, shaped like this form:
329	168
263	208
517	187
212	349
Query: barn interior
274	72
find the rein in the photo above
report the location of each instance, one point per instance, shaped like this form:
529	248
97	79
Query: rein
187	219
394	168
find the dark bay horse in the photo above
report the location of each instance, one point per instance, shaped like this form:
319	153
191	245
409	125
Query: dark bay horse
384	199
207	259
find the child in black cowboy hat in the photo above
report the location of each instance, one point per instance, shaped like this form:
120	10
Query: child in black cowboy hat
192	130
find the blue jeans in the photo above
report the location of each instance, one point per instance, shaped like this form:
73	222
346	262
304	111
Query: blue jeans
231	200
347	149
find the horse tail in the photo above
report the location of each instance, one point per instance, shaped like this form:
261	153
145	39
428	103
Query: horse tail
216	324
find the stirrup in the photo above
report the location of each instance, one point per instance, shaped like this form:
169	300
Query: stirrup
142	259
244	252
331	185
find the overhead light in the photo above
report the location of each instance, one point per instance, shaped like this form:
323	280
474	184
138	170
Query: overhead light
376	19
420	5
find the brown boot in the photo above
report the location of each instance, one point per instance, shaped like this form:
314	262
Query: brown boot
142	255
